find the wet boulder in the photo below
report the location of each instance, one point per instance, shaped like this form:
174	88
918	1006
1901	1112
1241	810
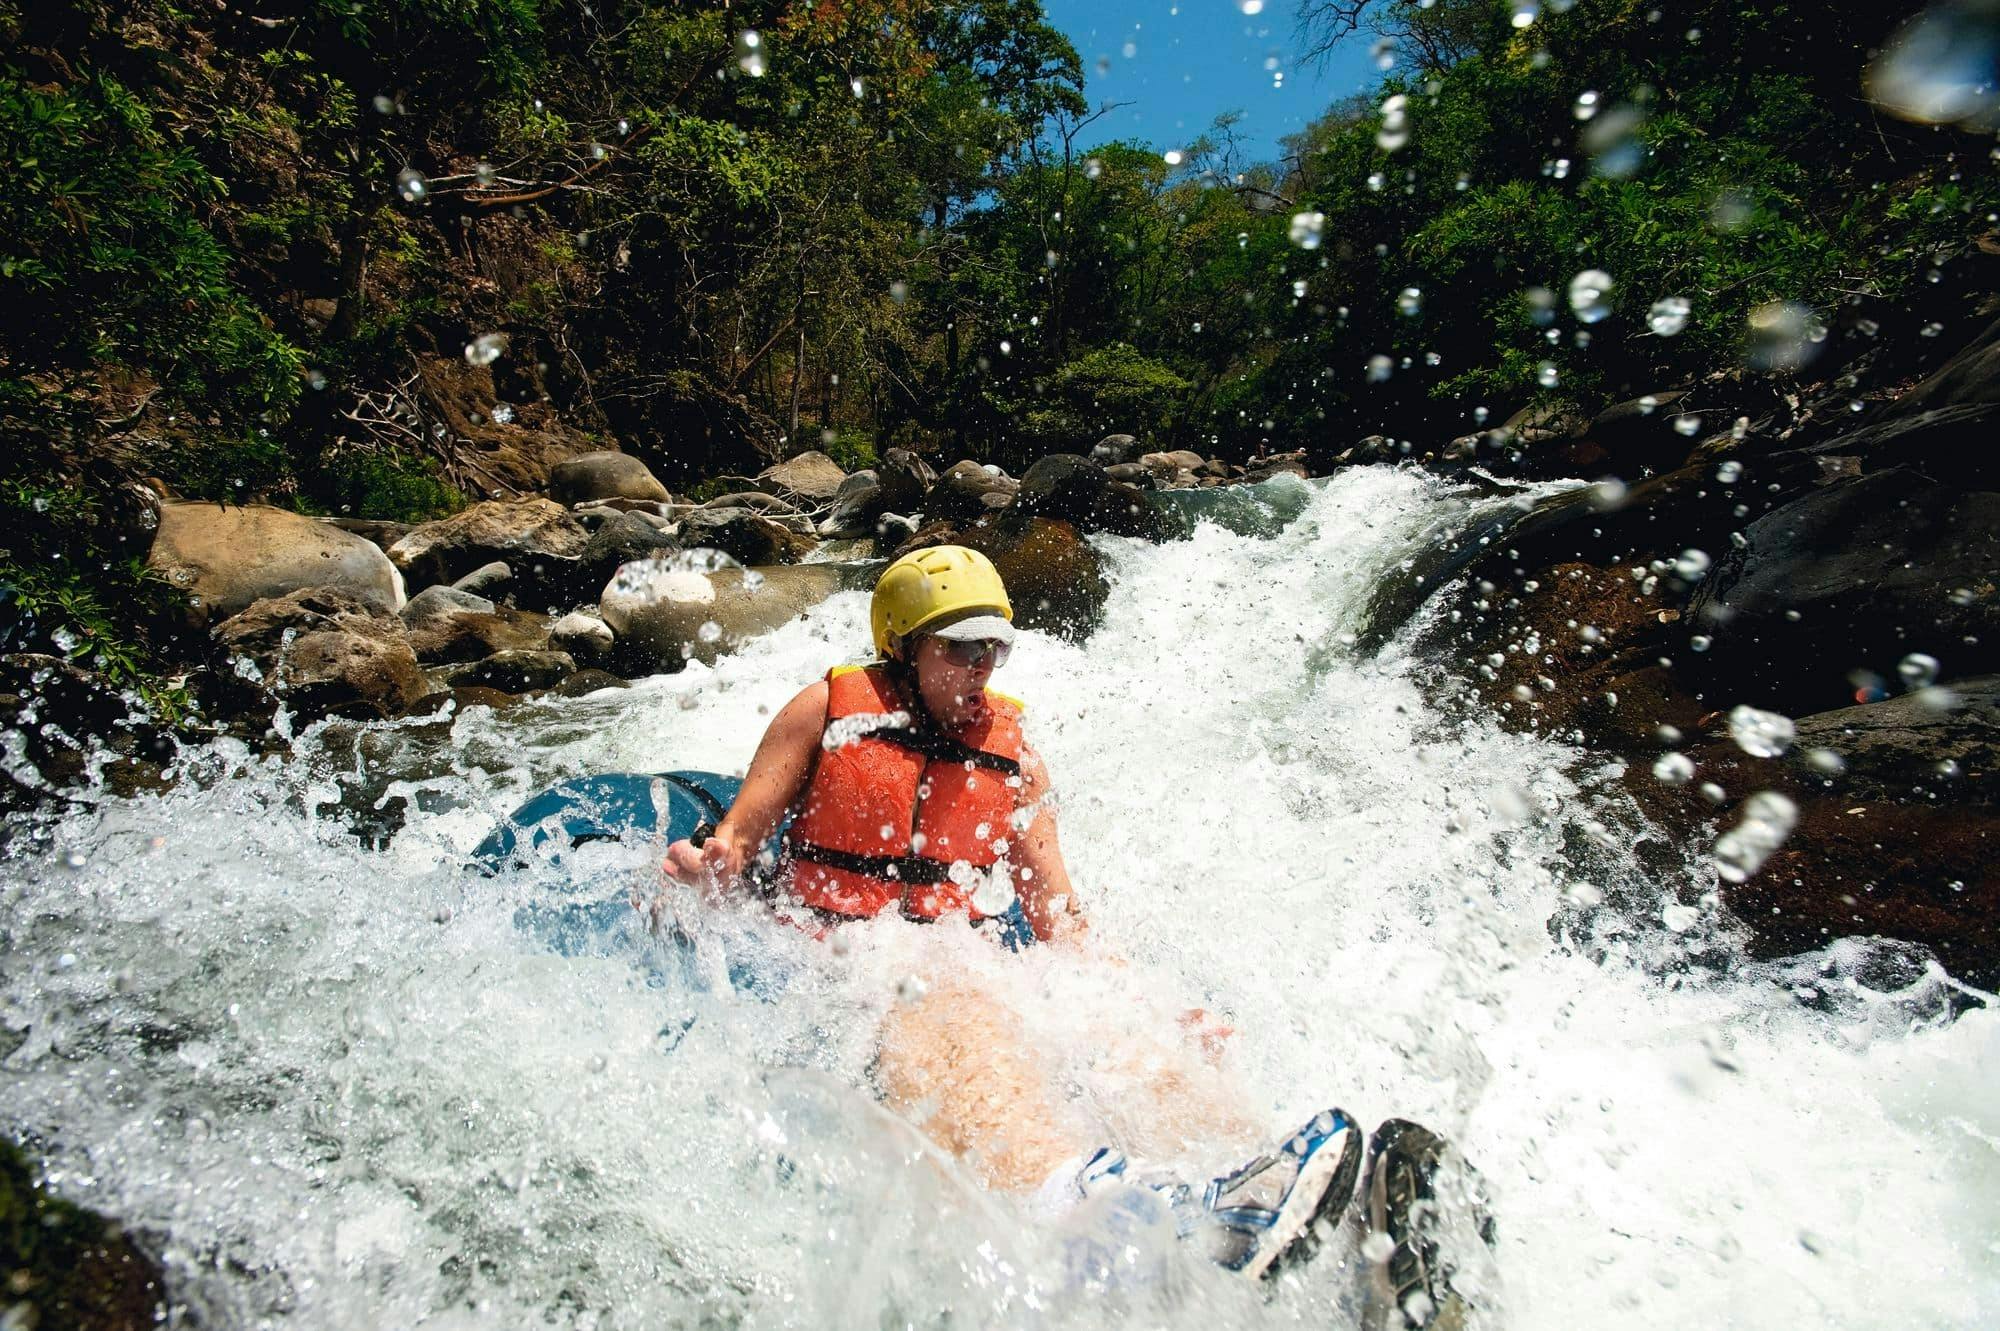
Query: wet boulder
666	616
1630	440
1288	464
512	671
1114	450
472	635
522	532
745	536
606	474
968	489
856	506
1972	377
904	479
582	633
1852	576
69	1267
486	578
226	557
1066	488
323	650
811	476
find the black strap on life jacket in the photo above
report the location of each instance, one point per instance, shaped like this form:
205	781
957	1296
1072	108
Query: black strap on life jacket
910	869
943	748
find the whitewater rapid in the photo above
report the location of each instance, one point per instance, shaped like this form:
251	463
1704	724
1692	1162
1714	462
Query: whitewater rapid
334	1084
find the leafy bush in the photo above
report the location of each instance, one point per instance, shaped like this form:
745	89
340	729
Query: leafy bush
853	449
1110	390
396	487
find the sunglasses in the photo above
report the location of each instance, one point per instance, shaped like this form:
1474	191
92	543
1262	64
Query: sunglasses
969	652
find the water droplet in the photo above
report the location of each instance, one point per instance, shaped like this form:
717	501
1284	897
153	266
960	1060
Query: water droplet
1826	761
74	859
1525	14
710	631
1092	168
1376	180
1687	424
750	52
1590	294
1918	670
315	380
1759	733
1768	818
1679	918
1173	156
1252	7
911	988
1586	105
410	183
1668	316
1728	473
1409	302
1299	288
1380	367
485	175
1692	566
384	104
1673	769
1939	70
1784	335
485	349
1006	347
1541	305
1378	1247
1613	143
1546	375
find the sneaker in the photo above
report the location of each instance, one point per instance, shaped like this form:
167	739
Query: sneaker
1409	1167
1264	1215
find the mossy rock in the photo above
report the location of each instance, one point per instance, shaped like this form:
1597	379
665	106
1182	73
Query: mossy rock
72	1268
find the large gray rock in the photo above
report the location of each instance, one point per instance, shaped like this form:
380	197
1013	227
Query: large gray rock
604	475
856	509
968	489
1114	449
905	479
321	650
440	602
1071	489
659	618
225	558
518	671
522	532
747	537
582	633
469	635
1896	745
812	476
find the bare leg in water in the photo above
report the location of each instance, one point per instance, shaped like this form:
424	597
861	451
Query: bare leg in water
959	1064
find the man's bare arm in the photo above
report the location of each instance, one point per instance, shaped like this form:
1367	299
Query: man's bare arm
1041	879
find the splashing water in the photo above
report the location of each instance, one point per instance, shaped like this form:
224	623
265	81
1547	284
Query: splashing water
347	1087
1306	228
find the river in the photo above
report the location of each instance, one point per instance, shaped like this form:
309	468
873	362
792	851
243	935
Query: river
332	1080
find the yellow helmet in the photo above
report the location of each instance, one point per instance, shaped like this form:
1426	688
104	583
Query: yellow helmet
943	584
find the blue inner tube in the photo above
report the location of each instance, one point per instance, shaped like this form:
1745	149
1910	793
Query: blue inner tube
606	807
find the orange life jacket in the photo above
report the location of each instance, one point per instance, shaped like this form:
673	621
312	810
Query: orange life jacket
881	783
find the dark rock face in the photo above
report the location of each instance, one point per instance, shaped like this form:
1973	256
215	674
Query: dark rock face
513	671
904	480
68	1267
1115	449
1071	489
967	490
1853	576
747	537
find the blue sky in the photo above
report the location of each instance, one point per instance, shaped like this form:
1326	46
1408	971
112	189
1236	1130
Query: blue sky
1191	60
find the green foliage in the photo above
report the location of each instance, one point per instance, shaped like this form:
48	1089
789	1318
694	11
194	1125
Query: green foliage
1109	390
104	260
853	449
397	487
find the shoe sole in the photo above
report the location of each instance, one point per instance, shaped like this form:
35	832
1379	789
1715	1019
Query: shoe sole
1324	1187
1402	1158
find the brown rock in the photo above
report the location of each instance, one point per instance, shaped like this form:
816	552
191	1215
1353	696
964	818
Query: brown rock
604	474
323	650
517	531
812	476
225	557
